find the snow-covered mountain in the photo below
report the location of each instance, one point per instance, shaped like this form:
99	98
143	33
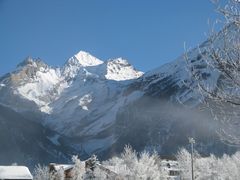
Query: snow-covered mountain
103	105
40	84
32	86
80	99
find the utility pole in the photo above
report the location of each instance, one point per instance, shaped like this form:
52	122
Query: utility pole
192	142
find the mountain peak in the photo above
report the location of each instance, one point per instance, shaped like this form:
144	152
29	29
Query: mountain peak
79	60
31	61
86	59
26	61
120	61
119	69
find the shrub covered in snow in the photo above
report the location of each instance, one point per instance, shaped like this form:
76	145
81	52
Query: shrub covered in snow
78	169
226	167
130	165
42	173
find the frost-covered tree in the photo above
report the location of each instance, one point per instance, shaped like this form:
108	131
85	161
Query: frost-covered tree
78	169
205	167
99	174
226	167
221	56
90	166
129	157
184	159
131	166
42	173
59	175
147	167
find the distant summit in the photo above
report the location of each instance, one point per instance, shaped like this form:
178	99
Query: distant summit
86	59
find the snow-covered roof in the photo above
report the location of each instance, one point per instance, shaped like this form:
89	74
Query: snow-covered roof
65	167
15	172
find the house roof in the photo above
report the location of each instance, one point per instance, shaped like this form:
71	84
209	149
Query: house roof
65	167
15	172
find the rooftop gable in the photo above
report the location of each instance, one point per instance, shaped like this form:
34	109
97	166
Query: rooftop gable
15	172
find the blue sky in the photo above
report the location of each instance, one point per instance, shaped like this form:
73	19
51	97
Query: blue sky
148	33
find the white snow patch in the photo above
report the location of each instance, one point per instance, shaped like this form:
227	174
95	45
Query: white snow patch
43	88
46	109
85	101
2	85
70	99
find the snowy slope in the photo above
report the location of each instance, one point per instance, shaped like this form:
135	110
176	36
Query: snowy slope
33	84
81	99
178	73
89	106
167	112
